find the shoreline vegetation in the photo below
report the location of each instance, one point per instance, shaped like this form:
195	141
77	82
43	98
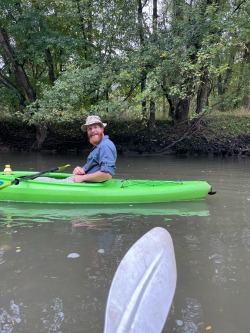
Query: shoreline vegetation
163	75
215	134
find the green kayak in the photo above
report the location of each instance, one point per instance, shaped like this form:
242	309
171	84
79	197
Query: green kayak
109	192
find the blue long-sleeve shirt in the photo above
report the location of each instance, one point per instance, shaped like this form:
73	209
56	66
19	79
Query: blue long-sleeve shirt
102	157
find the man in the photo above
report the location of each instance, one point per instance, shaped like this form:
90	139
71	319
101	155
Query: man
100	165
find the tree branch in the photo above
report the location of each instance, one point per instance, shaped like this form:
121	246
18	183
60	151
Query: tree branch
238	6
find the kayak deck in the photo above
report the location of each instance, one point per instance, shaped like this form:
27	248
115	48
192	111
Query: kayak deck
111	191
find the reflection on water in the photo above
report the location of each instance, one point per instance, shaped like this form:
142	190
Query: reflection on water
220	258
53	315
192	317
9	317
223	255
91	224
24	214
245	236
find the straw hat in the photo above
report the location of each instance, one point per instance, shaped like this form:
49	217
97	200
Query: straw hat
92	120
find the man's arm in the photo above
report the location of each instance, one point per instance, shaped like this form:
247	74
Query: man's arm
96	177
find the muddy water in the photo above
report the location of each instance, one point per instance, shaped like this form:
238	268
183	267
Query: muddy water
57	262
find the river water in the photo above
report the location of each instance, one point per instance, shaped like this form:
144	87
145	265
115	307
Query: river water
57	261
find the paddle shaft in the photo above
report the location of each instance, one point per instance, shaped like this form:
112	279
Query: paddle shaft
16	181
38	174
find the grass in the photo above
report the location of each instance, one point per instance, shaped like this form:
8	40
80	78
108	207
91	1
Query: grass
229	124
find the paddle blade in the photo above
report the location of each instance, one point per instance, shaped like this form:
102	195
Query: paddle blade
62	167
143	287
4	185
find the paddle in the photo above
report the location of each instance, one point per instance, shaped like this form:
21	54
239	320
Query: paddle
16	181
143	287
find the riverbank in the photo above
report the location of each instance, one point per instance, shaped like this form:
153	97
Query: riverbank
217	135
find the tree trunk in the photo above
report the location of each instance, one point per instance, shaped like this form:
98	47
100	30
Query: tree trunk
182	111
220	85
143	102
151	122
164	108
41	134
143	74
23	84
140	22
49	61
244	75
203	92
85	20
21	77
223	83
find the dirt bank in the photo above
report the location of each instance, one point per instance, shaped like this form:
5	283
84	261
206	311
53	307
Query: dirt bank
130	137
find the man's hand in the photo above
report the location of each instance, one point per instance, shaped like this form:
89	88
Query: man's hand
78	171
96	177
79	178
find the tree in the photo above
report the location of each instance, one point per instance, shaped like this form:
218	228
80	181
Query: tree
36	48
60	60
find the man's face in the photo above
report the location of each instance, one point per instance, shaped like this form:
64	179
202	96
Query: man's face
95	133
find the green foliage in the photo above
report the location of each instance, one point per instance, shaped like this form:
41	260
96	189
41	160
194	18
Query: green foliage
83	56
67	99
